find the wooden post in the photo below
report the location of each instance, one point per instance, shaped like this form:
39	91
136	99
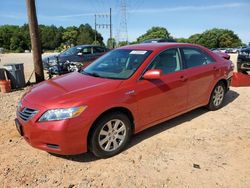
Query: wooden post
35	40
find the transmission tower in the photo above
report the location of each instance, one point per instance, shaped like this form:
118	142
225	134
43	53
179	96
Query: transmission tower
123	31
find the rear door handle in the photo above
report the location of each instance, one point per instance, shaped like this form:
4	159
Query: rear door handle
183	78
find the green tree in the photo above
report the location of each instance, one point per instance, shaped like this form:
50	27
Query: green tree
111	43
86	34
123	43
17	43
182	40
6	33
154	32
26	36
51	37
194	38
69	36
17	38
133	42
216	38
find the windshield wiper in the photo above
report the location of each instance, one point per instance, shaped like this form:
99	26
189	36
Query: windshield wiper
91	73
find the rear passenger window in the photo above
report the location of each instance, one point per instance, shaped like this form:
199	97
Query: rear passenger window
99	50
195	57
167	61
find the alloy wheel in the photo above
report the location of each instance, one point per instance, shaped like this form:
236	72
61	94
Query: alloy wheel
218	95
112	135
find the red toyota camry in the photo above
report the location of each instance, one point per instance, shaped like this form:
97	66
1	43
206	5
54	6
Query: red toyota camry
122	93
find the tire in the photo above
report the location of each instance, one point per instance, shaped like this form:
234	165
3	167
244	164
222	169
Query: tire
110	135
217	97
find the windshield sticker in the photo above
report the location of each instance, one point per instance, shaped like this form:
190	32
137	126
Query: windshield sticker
138	52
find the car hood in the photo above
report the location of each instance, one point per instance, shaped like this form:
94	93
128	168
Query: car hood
50	57
68	90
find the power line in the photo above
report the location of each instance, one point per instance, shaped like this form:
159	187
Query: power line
102	24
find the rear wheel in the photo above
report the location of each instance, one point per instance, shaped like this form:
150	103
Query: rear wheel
217	97
110	135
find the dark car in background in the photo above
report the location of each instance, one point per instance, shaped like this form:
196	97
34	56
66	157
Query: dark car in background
72	59
243	61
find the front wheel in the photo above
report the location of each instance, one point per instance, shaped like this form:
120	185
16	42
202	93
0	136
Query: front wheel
110	135
217	97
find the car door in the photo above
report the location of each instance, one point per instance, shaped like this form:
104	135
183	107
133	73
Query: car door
159	99
201	70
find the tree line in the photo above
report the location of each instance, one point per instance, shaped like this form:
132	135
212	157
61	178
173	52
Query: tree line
17	39
213	38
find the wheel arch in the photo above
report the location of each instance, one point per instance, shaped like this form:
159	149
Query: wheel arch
123	110
222	80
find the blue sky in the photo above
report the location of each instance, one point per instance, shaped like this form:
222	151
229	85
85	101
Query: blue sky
182	18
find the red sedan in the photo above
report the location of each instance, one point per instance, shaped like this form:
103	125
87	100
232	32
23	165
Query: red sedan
122	93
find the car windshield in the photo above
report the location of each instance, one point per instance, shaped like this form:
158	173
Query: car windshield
117	64
71	51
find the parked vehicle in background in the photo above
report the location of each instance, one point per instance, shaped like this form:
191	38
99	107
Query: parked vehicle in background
158	40
232	50
222	50
245	50
243	62
75	57
122	93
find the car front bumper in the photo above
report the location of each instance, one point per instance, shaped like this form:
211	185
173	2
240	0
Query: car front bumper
66	137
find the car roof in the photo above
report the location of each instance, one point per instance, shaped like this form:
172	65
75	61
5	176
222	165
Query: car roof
157	46
86	45
158	40
247	49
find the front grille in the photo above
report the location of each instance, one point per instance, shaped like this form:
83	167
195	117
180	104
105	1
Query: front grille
27	113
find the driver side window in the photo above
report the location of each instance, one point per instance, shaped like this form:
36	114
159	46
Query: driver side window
167	61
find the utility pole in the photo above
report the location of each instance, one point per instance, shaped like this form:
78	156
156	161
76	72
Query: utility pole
104	25
35	40
95	29
110	23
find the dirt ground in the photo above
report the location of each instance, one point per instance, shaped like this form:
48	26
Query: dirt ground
197	149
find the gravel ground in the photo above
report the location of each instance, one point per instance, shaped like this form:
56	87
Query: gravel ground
197	149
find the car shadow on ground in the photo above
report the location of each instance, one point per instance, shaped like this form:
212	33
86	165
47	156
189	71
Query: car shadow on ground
136	139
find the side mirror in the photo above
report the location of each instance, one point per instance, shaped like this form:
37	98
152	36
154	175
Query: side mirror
79	53
153	74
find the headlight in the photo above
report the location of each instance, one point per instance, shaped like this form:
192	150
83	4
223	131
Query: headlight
62	114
